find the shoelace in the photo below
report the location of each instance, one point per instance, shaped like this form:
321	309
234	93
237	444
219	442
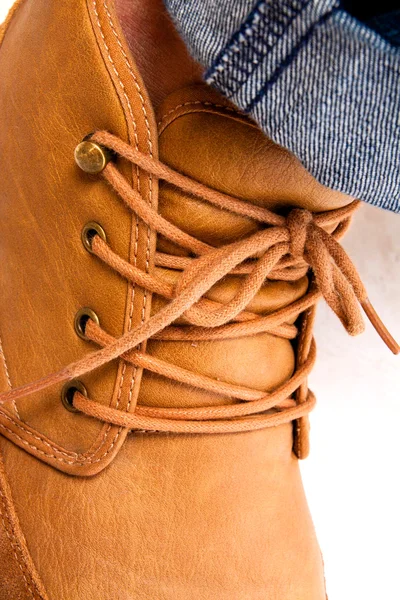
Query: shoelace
284	248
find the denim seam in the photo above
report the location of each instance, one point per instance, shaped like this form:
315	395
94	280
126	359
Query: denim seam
288	60
248	30
237	37
329	173
283	121
322	84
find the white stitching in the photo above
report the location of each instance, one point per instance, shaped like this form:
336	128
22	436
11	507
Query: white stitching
77	457
16	546
8	378
89	459
127	63
2	355
132	74
39	438
136	227
43	453
198	102
108	429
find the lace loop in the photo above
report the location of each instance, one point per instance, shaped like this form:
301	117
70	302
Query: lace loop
298	222
281	249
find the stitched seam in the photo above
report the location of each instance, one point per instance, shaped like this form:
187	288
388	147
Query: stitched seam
289	59
76	458
16	548
2	355
138	88
89	459
108	429
36	437
133	76
249	29
137	224
51	446
8	378
132	287
194	103
42	452
240	36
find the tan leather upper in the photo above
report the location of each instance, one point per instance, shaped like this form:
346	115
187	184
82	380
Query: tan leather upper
46	201
172	517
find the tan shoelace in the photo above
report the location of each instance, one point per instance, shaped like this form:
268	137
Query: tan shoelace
285	248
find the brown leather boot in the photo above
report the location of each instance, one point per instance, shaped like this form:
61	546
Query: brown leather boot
162	463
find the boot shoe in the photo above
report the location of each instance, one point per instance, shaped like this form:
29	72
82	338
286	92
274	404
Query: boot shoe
159	277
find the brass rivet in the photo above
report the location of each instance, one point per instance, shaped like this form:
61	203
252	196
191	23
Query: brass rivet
89	231
91	157
68	391
81	318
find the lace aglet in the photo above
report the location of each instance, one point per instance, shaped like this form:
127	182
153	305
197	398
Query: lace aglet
379	327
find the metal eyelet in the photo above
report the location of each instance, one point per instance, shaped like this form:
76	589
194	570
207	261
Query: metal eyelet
81	318
91	157
89	231
68	391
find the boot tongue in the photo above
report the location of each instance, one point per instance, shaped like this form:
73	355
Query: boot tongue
203	136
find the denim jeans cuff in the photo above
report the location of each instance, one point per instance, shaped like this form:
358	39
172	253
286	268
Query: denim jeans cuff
324	86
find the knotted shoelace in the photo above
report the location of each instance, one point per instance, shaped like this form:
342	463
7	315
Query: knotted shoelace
282	249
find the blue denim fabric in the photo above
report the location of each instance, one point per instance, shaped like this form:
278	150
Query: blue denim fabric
317	80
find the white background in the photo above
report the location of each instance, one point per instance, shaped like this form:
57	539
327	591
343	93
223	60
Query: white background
352	477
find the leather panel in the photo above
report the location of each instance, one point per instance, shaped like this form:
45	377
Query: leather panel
46	274
172	518
18	577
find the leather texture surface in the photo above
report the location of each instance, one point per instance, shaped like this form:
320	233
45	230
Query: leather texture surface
72	87
18	576
172	517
